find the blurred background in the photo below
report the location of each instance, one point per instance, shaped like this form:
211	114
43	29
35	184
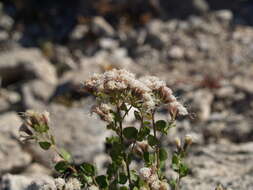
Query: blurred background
203	49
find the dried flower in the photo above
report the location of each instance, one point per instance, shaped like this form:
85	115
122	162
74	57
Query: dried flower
73	184
33	118
103	111
35	123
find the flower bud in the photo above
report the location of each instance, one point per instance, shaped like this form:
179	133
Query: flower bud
178	142
164	186
188	139
219	187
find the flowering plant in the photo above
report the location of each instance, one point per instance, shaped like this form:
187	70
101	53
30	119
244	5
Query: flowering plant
119	93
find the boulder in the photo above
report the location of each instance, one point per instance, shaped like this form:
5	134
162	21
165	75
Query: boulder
22	64
220	164
12	156
21	182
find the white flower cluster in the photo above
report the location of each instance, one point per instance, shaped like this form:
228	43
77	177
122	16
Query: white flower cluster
150	176
149	91
165	94
61	184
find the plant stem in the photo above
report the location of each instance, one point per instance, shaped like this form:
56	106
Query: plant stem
177	184
122	142
157	146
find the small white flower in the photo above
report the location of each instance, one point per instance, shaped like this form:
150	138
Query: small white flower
73	184
188	139
59	183
145	173
152	178
156	185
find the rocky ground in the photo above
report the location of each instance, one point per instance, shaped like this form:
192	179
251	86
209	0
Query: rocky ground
205	59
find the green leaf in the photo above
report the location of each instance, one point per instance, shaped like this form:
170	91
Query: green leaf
112	139
162	126
88	169
175	167
133	175
116	152
112	170
137	115
42	128
152	141
123	107
65	155
130	132
149	158
146	123
102	181
143	132
117	116
175	159
45	145
163	155
123	188
122	178
87	179
173	183
61	166
130	157
183	170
